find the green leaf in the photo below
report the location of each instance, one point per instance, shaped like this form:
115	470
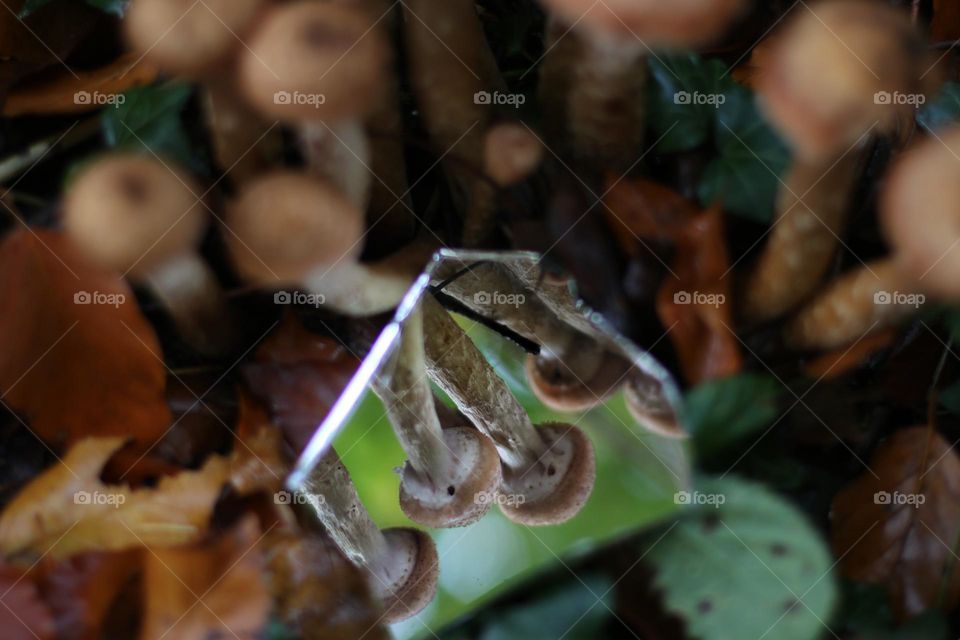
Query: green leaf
950	398
114	7
680	119
149	118
744	176
750	567
577	611
721	412
867	614
944	109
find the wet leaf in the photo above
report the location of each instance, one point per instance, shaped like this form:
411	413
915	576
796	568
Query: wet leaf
895	526
694	301
751	567
77	357
210	590
719	413
67	509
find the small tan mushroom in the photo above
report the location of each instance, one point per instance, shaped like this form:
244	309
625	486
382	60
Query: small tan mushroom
132	214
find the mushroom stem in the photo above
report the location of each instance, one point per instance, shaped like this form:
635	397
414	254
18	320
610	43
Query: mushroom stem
458	367
340	152
189	290
867	299
812	210
450	66
408	400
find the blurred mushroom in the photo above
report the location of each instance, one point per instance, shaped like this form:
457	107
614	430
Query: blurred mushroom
919	218
548	471
292	228
841	72
132	214
402	561
596	79
511	153
446	469
321	66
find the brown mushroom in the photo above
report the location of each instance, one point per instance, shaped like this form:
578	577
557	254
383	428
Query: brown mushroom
133	214
548	471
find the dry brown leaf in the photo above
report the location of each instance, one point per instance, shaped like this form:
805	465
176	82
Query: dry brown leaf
68	510
210	590
946	20
897	529
834	364
645	209
72	369
257	462
319	594
68	92
299	376
23	614
696	307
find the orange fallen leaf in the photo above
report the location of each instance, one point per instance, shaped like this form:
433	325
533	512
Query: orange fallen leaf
257	462
209	590
298	375
645	209
24	615
895	528
67	509
81	90
77	357
694	302
834	364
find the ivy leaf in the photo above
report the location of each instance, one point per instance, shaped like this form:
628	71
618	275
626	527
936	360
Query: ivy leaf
113	7
676	114
150	118
751	157
720	412
944	109
750	567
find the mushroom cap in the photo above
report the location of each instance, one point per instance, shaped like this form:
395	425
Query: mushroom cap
411	579
286	223
679	23
561	388
185	36
511	153
649	407
555	488
463	498
130	212
920	214
315	61
837	70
